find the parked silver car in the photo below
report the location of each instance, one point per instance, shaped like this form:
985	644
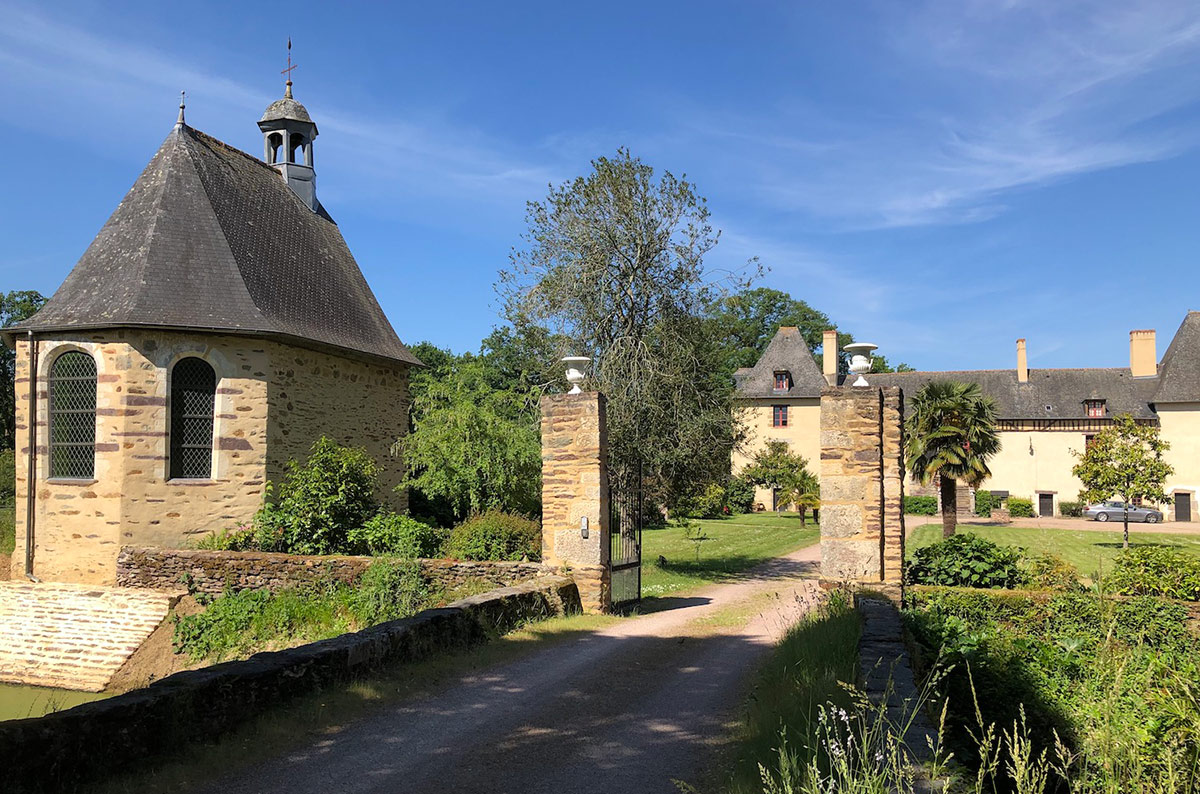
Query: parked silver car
1115	511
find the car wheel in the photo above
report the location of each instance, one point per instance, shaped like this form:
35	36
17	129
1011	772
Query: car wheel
1102	516
1151	519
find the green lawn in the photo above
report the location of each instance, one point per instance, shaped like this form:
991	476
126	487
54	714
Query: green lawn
1087	551
8	536
735	544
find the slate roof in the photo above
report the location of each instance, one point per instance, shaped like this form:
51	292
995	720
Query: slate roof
212	239
787	351
286	108
1049	393
1179	372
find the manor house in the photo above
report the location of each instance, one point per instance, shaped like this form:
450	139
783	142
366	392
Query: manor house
1044	414
214	329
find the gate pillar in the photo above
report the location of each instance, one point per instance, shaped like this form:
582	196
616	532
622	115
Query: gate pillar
862	486
575	509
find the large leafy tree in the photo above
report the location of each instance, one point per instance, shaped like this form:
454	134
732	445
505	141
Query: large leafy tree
14	307
747	320
776	467
951	434
1124	460
473	447
613	264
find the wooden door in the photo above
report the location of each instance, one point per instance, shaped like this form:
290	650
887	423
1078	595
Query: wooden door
1183	507
1045	504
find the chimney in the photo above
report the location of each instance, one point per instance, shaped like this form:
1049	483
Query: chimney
1143	354
1022	363
829	354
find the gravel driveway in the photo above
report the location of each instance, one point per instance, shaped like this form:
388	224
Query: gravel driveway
624	709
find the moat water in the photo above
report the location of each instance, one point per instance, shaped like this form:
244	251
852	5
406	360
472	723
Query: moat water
18	702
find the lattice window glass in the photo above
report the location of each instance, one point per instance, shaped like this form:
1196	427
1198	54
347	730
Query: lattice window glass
193	397
73	416
779	416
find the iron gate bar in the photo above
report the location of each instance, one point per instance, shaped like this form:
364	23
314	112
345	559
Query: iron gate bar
626	507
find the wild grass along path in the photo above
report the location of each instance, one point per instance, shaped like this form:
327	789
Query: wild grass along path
627	708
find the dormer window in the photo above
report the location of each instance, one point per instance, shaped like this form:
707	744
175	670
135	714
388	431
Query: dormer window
1094	408
783	381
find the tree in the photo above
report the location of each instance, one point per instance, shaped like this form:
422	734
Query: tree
880	364
614	267
15	306
951	435
1125	460
776	467
747	320
473	446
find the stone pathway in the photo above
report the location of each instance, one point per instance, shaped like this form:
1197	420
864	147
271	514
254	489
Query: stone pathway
72	636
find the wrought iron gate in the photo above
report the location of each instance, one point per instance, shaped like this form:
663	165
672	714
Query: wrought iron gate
625	540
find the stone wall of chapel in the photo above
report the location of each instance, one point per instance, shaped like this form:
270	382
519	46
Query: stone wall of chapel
272	402
354	403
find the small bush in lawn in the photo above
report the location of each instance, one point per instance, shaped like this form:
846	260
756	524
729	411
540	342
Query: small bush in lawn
8	477
920	505
1156	571
1020	508
1051	572
398	535
1070	509
739	495
389	590
967	560
495	536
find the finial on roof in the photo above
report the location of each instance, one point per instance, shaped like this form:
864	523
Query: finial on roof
182	103
287	90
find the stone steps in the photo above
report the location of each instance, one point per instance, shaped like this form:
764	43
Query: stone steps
73	636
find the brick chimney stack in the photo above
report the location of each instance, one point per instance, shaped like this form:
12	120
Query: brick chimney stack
1143	354
1022	363
829	357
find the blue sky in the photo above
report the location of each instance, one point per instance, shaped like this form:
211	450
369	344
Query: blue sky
939	177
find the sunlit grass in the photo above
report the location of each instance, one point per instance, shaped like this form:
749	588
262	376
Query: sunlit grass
1088	551
734	545
8	532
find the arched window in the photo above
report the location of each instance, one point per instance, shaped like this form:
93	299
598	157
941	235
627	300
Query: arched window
274	144
296	149
193	397
73	416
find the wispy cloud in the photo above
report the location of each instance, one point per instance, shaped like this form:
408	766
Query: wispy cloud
999	98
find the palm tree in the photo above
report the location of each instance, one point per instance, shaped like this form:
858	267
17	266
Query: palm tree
951	434
803	491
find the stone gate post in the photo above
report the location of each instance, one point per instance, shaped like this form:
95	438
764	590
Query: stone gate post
575	509
862	486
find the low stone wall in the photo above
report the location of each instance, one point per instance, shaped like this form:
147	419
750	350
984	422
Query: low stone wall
211	571
115	736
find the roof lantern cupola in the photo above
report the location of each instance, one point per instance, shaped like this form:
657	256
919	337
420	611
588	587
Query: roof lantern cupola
288	133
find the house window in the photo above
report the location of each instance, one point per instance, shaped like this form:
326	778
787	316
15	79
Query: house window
783	381
1094	408
193	397
1088	440
779	416
73	416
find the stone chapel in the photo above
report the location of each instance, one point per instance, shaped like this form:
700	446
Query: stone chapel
214	329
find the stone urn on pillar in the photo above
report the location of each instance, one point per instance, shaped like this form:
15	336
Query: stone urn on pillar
575	374
860	360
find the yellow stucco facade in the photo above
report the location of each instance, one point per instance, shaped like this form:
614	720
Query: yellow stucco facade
1181	427
272	402
802	434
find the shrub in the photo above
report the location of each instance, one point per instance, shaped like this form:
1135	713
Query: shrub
967	560
985	502
1071	509
399	535
1156	571
495	536
739	495
710	503
1051	572
389	590
321	501
8	477
920	505
1020	508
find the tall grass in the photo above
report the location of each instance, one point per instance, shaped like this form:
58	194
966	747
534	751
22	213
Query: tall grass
802	680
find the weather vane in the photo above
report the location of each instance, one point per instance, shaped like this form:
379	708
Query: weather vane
182	97
288	71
